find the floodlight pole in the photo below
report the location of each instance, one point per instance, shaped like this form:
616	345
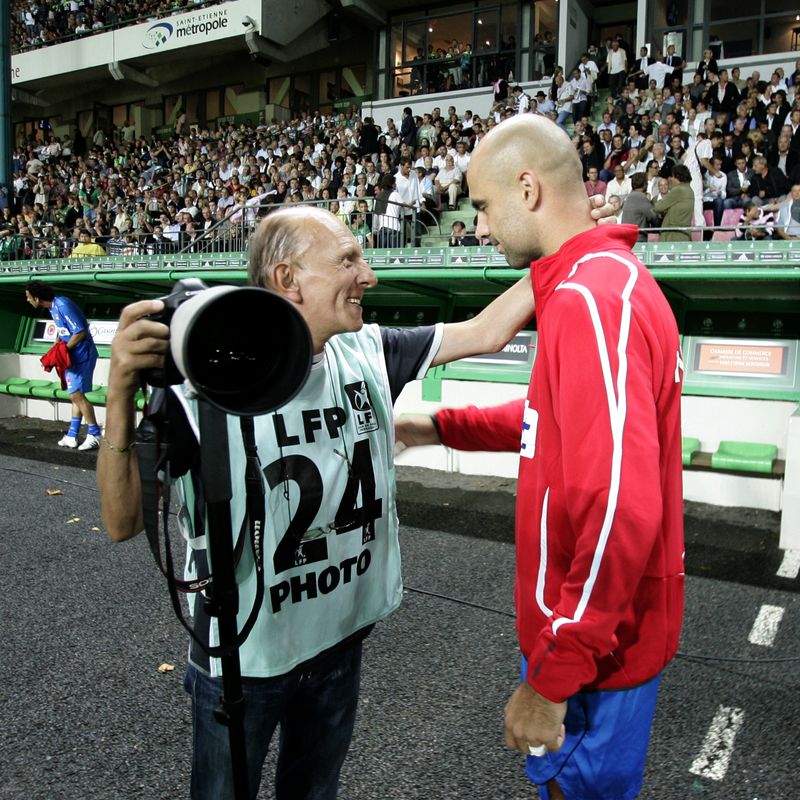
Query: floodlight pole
6	138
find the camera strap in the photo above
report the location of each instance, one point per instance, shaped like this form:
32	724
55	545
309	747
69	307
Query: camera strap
155	449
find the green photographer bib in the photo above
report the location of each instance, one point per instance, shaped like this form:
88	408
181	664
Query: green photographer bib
331	553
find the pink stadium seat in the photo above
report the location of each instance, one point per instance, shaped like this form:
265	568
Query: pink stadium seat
730	217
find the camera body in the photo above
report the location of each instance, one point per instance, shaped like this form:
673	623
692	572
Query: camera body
181	292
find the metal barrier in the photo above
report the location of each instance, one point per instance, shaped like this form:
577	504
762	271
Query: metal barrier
404	228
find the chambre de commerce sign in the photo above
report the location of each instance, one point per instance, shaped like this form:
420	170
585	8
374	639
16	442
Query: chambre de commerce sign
189	29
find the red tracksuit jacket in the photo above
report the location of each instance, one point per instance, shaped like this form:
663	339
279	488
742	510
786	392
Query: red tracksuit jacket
57	357
599	518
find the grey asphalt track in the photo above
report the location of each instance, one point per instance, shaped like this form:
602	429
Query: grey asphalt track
86	624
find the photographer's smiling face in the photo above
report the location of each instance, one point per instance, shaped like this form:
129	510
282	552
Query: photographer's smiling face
327	280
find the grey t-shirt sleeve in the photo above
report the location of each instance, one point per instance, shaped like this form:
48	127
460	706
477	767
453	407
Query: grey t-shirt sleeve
409	352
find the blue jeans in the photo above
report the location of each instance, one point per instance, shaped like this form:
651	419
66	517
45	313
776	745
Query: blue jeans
562	117
316	709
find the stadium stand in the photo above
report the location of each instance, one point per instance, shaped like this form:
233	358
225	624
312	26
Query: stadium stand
202	190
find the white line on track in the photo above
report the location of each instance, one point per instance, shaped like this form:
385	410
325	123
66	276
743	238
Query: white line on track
765	628
717	749
790	566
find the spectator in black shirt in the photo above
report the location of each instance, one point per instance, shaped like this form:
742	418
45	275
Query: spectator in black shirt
676	149
769	184
590	157
707	67
794	125
748	151
782	157
629	117
671	59
782	104
723	96
459	236
728	153
408	130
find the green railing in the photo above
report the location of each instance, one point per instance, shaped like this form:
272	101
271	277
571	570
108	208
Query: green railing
744	260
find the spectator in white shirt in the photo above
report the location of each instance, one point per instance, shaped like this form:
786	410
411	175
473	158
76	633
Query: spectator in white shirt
564	92
448	182
424	152
588	67
581	89
715	182
521	100
225	200
755	223
788	223
620	185
462	157
607	124
632	164
617	65
263	150
658	71
225	170
545	105
171	229
407	185
439	158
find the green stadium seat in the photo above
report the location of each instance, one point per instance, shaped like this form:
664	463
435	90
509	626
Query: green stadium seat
22	389
46	390
5	386
35	384
744	457
98	396
51	390
690	447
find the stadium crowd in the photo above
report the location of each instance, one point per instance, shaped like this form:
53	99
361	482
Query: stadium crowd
201	190
739	139
660	158
36	23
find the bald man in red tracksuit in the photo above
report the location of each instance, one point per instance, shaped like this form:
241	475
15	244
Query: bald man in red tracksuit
599	517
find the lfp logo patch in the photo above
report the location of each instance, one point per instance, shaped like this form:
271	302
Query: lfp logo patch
361	403
157	35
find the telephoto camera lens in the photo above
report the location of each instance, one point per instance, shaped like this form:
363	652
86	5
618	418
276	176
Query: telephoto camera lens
246	350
